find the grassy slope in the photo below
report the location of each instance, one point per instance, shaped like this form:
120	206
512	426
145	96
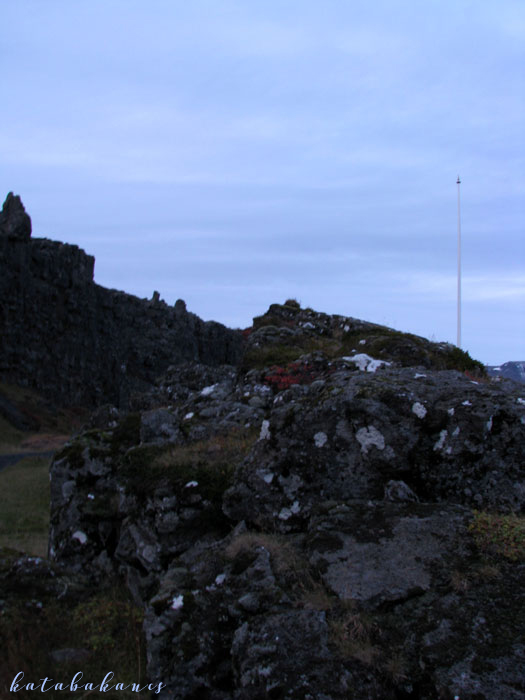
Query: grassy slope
24	486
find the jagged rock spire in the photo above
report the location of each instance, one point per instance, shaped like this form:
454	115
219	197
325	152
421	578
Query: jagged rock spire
14	221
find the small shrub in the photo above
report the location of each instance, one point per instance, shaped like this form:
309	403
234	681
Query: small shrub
459	359
280	378
499	534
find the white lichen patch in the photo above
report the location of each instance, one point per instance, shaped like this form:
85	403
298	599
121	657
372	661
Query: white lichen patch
189	416
177	602
267	477
520	400
419	376
219	579
456	432
191	484
488	424
466	403
370	437
208	390
442	437
450	411
320	439
265	430
91	496
419	410
79	536
366	363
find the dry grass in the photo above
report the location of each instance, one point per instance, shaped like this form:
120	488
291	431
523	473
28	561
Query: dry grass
289	566
460	581
231	447
352	633
488	572
396	668
285	558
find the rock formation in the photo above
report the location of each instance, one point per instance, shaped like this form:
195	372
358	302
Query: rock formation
79	343
508	370
320	524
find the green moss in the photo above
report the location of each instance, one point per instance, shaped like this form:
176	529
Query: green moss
502	535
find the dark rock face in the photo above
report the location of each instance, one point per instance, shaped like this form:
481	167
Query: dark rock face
309	529
79	343
14	221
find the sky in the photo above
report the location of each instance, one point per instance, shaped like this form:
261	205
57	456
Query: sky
239	153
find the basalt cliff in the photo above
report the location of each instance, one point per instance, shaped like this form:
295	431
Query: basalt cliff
79	343
317	508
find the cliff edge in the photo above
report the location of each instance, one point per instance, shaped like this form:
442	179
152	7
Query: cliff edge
79	343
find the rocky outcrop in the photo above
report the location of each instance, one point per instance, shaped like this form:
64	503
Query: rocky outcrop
79	343
328	521
508	370
15	223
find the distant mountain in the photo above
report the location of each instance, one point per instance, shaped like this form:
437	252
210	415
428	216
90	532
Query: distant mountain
509	370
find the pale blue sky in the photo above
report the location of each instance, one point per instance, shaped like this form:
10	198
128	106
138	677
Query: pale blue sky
235	154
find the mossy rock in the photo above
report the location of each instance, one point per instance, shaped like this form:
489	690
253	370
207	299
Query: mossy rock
73	453
269	355
126	434
409	350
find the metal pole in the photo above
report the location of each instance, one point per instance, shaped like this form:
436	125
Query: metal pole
459	266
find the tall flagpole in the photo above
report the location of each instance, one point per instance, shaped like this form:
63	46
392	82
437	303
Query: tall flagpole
459	267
